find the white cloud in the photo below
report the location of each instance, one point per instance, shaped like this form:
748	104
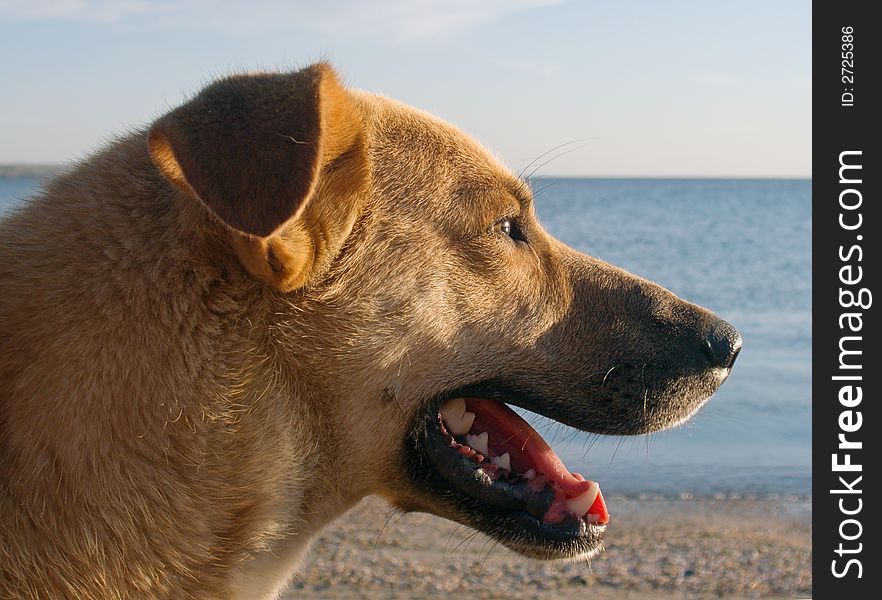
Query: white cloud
396	20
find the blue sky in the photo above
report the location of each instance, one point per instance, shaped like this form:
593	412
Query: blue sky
659	88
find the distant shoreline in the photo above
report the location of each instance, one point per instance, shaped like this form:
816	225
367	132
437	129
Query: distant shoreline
48	170
30	170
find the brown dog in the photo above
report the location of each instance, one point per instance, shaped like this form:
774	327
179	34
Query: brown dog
221	333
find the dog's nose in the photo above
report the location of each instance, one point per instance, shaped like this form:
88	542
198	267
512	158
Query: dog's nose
722	344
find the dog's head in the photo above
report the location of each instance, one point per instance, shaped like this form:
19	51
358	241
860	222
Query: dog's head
414	295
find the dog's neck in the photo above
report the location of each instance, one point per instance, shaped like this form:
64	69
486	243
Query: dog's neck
195	416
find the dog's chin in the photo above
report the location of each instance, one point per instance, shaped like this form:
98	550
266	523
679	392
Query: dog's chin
519	531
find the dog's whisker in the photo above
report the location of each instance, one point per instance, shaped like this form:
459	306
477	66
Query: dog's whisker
466	535
615	451
467	541
553	158
645	389
450	537
392	514
605	377
543	189
549	151
479	564
590	441
487	554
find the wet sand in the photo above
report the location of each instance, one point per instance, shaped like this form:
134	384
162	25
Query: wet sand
656	549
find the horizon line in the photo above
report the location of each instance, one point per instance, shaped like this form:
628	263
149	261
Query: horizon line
48	168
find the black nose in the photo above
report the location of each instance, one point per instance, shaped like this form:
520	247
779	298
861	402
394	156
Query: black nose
722	344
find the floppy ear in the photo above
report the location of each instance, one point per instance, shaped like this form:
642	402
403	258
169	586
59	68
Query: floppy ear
252	149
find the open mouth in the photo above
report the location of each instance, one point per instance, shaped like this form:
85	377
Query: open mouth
510	480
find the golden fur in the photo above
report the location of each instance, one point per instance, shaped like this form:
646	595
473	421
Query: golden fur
217	334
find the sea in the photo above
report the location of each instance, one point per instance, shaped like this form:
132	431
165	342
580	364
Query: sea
740	247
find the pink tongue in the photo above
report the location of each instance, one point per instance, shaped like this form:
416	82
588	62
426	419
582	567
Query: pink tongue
509	432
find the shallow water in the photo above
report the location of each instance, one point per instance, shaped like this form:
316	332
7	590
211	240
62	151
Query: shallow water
739	247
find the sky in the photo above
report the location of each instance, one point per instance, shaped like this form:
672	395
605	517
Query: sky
672	88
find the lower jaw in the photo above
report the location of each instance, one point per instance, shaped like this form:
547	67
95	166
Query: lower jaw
523	533
574	540
510	519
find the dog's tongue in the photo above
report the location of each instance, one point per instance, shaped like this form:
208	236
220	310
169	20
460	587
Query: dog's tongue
508	433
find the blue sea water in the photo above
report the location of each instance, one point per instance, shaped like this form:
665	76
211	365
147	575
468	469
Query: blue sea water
743	249
739	247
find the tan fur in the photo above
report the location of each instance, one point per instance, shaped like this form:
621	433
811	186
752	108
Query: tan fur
215	339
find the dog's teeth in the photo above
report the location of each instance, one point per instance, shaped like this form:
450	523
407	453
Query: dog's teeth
503	462
465	423
580	504
452	410
461	425
529	474
478	442
457	420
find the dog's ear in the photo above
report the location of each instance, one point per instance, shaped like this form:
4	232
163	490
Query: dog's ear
254	149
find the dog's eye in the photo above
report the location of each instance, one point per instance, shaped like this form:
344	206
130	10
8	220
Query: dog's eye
503	226
509	228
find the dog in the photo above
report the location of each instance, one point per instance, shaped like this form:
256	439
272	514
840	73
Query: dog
221	332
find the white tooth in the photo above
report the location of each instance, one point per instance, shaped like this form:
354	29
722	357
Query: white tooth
580	504
461	425
457	420
478	442
452	410
465	423
530	474
503	462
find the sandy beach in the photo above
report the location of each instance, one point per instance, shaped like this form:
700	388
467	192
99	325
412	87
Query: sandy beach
656	549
